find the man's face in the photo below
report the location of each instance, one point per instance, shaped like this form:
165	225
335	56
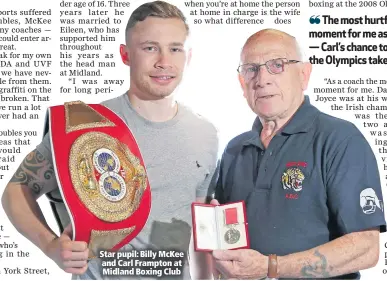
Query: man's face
273	96
157	56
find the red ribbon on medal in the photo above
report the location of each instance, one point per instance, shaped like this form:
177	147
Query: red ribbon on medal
231	216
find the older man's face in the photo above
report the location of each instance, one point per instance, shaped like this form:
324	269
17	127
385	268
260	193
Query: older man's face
273	96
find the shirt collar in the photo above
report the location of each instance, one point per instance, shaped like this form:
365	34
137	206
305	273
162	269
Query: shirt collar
254	139
301	122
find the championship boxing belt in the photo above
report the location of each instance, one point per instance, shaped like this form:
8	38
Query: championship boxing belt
100	173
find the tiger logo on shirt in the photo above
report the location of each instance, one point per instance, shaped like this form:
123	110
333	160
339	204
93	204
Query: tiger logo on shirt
292	178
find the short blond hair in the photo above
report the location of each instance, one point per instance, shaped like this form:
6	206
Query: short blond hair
158	9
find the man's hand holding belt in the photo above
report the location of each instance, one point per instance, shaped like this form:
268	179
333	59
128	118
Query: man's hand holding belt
69	255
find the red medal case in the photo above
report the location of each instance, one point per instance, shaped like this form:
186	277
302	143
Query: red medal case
220	226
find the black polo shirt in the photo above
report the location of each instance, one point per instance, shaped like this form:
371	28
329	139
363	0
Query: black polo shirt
317	180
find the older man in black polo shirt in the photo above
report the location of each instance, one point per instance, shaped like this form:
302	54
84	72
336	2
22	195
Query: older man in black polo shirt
310	181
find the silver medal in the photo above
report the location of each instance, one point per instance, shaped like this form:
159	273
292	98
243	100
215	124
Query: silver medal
232	236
